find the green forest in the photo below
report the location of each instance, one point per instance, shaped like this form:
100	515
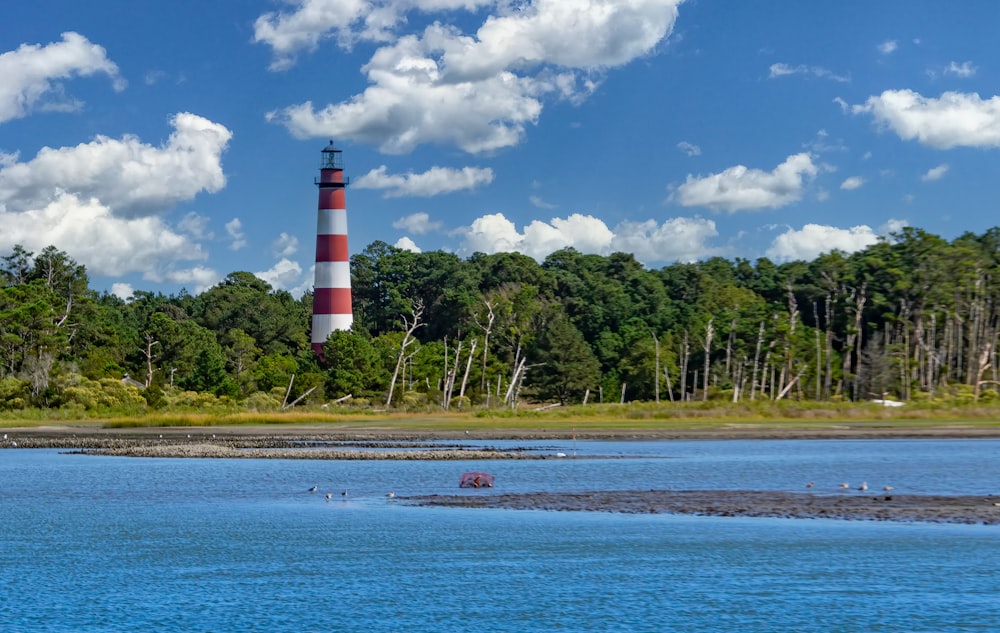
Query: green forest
911	318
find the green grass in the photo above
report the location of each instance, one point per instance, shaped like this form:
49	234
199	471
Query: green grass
663	417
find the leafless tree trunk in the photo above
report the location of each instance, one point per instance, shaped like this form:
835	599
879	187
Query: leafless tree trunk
410	325
709	331
150	342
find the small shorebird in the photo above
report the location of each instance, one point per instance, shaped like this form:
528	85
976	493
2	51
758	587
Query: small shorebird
314	488
863	486
329	496
887	488
344	494
845	486
810	485
390	494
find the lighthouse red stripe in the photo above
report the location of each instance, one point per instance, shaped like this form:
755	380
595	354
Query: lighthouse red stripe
332	301
331	199
331	248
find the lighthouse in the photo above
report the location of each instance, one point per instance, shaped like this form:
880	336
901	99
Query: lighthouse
332	285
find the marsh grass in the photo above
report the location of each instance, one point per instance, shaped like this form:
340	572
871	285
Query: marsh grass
644	416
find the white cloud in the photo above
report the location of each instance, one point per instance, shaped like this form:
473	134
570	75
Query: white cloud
935	173
417	224
675	240
784	70
128	176
853	182
199	277
283	275
235	230
953	120
285	246
739	188
888	47
435	181
195	225
302	29
89	233
893	226
32	72
963	70
407	244
815	239
476	91
689	148
536	201
346	21
678	239
122	290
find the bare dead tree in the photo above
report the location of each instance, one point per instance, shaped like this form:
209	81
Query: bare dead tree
486	328
148	353
409	325
709	331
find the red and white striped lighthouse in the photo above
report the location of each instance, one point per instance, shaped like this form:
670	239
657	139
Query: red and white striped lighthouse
332	286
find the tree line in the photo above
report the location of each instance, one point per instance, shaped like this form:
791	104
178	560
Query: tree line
911	317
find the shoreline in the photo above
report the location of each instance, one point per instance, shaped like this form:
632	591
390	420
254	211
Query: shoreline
325	442
67	435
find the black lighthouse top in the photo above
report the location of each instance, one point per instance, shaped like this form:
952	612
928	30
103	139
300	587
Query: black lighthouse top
331	158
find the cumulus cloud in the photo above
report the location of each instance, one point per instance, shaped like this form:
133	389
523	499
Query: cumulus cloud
122	290
238	238
689	148
285	246
678	239
198	278
536	201
283	275
128	176
888	47
935	173
407	244
90	233
417	224
740	188
813	240
954	120
854	182
195	225
32	73
477	91
435	181
965	69
784	70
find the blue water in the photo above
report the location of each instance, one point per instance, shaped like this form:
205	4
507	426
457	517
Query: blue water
93	543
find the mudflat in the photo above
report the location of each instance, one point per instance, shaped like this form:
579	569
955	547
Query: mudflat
399	442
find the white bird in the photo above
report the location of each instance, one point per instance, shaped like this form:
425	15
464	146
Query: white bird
329	496
845	485
863	486
887	488
344	494
810	485
390	494
314	488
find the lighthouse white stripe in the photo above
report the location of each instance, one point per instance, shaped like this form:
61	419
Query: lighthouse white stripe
332	222
333	275
323	324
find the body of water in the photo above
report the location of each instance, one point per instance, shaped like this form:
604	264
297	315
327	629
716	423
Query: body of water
92	543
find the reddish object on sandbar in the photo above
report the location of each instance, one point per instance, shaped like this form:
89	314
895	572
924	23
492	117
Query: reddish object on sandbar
476	480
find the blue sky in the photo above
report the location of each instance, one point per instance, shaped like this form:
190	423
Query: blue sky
167	144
